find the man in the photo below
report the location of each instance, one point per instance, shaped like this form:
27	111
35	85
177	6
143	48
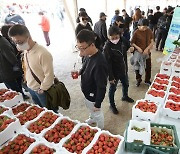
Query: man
93	76
100	28
151	20
142	40
115	51
83	24
45	25
114	17
10	73
37	60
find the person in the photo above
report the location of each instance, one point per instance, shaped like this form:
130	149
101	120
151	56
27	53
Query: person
45	25
83	24
115	51
163	28
94	74
137	15
142	40
157	15
4	32
13	18
89	18
143	14
117	12
100	28
151	19
37	60
10	73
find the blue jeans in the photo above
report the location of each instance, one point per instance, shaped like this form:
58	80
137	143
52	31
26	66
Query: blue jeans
39	99
112	89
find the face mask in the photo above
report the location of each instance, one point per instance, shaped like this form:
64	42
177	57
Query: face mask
24	46
115	41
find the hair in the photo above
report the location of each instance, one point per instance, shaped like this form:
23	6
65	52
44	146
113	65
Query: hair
123	10
143	22
158	8
18	30
142	12
83	14
86	36
117	12
4	30
150	11
82	10
113	30
41	13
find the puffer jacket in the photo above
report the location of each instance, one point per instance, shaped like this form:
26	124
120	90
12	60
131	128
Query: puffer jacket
9	69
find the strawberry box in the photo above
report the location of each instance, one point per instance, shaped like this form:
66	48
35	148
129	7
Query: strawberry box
6	110
158	86
3	91
139	131
18	144
174	90
176	69
105	142
175	78
146	110
81	136
10	98
171	109
42	122
157	96
173	97
175	84
30	114
166	67
40	147
60	129
161	81
21	107
9	127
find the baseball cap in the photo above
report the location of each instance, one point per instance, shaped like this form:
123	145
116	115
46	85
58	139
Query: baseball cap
102	14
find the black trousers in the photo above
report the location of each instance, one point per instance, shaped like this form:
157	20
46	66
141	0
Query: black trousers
46	36
161	38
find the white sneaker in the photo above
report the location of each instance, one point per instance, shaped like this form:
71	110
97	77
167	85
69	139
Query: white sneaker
90	121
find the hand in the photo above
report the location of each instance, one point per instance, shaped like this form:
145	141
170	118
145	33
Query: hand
96	109
112	81
131	49
146	52
40	91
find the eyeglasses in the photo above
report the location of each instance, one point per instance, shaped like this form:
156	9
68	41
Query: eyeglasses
84	19
82	49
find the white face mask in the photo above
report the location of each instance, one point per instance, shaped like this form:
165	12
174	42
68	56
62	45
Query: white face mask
24	46
115	41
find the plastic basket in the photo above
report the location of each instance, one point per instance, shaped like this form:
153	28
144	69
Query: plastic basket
150	150
138	147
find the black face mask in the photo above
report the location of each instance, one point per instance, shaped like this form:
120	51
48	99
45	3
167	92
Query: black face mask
121	26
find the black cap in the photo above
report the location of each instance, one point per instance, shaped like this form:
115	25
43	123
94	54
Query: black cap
143	22
83	14
102	14
119	18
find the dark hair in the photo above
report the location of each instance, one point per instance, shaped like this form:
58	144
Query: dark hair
4	30
123	10
158	8
143	22
83	14
18	30
41	13
117	12
150	11
113	30
82	9
142	12
86	36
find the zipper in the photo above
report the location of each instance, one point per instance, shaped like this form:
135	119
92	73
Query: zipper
122	56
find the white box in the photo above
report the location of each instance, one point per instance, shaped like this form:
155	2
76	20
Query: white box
144	136
157	99
161	81
8	111
166	67
176	70
52	126
158	86
10	103
76	128
170	113
138	114
120	146
176	98
11	130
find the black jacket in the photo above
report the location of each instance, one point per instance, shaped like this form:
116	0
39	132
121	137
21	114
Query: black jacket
81	27
116	56
101	30
8	62
157	15
94	75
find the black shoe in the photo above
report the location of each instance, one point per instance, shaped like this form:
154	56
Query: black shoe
157	49
127	99
148	83
114	109
25	97
138	83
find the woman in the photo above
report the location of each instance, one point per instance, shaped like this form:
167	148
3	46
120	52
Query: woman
136	18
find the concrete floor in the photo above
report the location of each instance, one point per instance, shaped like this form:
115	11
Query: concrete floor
62	43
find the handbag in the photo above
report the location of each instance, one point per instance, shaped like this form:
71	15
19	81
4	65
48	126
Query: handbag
57	95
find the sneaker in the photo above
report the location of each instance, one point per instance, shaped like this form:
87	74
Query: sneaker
148	83
114	109
127	99
25	97
90	121
138	83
